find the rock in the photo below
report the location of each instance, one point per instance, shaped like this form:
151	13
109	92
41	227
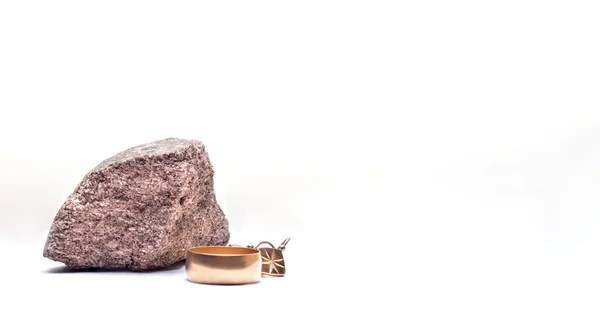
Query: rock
140	210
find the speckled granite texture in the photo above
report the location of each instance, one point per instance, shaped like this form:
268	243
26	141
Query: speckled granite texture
140	209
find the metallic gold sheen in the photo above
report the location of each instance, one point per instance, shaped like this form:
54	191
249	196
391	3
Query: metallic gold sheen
273	264
223	265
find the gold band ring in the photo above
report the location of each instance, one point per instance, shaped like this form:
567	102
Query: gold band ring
223	265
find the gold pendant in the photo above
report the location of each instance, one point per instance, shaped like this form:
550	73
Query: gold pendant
273	264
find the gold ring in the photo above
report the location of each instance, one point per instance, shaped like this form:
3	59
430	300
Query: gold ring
223	265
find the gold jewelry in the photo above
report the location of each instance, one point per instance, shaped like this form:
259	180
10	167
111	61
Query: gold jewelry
273	264
223	265
272	259
234	264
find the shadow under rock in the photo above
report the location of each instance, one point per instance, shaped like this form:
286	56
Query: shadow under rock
65	270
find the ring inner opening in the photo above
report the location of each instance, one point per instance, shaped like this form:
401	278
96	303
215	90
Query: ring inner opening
223	250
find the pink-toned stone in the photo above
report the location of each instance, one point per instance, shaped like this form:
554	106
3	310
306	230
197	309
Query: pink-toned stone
140	210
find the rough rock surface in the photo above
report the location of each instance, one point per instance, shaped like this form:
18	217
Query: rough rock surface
140	210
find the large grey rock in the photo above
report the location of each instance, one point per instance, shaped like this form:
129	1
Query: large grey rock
140	210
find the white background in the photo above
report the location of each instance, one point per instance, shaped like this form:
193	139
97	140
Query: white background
424	156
